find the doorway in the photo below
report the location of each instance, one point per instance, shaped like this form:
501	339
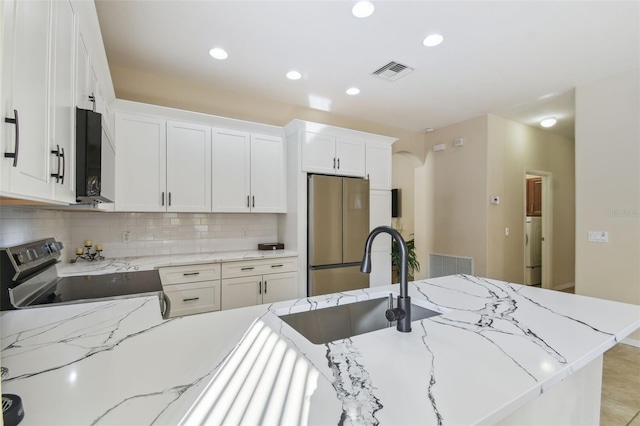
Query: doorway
538	225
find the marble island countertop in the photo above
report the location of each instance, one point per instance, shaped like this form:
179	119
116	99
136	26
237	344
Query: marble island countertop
145	263
495	348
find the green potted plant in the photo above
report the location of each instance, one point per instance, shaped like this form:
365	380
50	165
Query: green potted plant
413	263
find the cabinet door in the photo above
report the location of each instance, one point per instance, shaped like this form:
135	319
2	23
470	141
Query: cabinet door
188	167
241	292
62	107
350	154
26	67
378	166
268	183
279	287
231	171
318	153
82	74
140	163
108	168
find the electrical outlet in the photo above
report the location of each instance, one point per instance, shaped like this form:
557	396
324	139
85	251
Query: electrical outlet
506	232
245	233
126	236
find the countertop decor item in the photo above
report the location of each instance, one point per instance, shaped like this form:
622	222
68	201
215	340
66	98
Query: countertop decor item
86	254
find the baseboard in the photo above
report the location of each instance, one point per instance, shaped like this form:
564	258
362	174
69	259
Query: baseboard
631	342
564	286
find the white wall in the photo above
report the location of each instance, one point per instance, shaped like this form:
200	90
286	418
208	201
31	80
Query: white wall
608	188
152	233
403	168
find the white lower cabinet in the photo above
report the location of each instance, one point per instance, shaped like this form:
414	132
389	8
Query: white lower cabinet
192	289
249	283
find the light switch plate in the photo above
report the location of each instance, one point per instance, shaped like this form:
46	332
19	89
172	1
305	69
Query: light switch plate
598	237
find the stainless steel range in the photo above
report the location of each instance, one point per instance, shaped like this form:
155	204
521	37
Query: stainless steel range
29	279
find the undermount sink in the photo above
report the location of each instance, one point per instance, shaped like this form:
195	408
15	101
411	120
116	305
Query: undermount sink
340	322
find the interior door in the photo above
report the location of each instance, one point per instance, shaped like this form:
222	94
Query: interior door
325	220
355	206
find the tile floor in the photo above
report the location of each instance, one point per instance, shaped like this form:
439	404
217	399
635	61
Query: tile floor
620	404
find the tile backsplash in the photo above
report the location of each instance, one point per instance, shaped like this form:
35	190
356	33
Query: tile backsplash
151	233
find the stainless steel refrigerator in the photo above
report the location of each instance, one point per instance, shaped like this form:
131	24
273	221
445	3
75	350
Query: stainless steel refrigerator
338	226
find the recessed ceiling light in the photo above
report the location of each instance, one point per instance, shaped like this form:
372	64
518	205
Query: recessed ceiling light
353	91
429	129
548	122
433	40
294	75
363	9
218	53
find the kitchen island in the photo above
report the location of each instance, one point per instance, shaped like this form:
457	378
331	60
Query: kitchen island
499	352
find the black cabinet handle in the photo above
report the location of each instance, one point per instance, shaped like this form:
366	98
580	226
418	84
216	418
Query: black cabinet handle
15	121
334	162
248	268
64	166
260	287
163	198
191	273
57	154
265	287
338	164
277	266
248	201
253	201
169	199
190	299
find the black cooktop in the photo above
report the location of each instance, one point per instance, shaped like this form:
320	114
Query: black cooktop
108	286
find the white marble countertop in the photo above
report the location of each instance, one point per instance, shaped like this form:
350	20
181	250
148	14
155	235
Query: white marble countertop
496	347
145	263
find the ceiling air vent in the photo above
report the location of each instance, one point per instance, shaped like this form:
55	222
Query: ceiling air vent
392	71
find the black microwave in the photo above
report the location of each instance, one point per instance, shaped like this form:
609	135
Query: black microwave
89	157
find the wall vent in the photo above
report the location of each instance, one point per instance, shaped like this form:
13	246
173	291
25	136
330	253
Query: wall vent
441	265
392	71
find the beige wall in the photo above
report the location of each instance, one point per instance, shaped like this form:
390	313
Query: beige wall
455	216
513	149
456	192
608	190
162	90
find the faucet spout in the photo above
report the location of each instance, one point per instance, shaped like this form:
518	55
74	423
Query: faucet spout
403	311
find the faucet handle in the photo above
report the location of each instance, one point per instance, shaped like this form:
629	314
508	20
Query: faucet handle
394	314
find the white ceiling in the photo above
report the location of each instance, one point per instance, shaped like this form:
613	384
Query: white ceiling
519	59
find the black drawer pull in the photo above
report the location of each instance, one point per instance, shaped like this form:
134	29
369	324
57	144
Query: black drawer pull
248	268
191	299
277	266
191	273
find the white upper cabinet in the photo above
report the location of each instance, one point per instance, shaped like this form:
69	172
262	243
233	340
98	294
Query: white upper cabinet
62	115
268	174
350	156
162	166
141	163
25	83
248	172
231	171
188	167
327	154
83	91
379	166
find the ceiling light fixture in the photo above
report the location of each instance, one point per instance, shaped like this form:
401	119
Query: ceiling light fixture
294	75
429	129
548	122
363	9
353	91
433	40
218	53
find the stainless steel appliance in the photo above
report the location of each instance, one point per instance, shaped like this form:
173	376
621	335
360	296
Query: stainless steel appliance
338	226
533	251
89	157
28	279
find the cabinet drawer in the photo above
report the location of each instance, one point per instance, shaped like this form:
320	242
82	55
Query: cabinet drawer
189	274
259	267
194	298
